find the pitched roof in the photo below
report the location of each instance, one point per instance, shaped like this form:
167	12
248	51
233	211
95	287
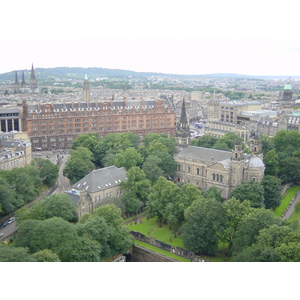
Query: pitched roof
101	179
204	154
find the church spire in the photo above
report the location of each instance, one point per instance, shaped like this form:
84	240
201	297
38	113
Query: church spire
183	117
16	78
23	83
183	135
33	82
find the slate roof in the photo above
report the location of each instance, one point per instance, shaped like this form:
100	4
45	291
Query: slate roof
204	154
101	179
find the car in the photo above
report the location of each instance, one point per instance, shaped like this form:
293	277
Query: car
10	220
1	235
3	225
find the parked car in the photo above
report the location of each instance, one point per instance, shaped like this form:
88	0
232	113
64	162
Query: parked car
10	220
1	235
3	225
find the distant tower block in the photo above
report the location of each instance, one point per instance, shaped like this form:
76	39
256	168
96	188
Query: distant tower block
86	89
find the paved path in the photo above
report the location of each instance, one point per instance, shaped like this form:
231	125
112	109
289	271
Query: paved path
292	207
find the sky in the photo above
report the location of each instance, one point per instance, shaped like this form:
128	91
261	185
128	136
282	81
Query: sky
179	37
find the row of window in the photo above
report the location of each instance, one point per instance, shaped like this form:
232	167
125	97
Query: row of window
109	195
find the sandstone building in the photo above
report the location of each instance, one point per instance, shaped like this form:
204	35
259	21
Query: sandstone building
99	187
206	167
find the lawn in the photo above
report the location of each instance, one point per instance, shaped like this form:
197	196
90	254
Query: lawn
295	216
150	228
291	192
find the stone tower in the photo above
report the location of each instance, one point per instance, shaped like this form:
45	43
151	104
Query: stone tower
23	82
16	84
287	93
256	147
33	87
213	108
183	136
237	164
86	89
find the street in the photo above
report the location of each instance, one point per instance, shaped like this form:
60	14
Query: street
63	184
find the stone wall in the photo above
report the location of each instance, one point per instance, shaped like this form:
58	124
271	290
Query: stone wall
174	250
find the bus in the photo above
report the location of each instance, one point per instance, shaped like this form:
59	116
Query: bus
198	125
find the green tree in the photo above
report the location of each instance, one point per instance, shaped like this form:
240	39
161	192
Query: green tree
58	205
7	197
286	139
204	223
89	141
163	192
131	202
271	161
206	141
272	195
213	193
175	210
54	234
25	233
79	164
290	170
248	229
249	190
47	170
45	256
111	214
137	184
221	146
152	169
234	211
128	158
14	254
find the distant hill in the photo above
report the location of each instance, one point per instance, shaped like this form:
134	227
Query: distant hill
79	73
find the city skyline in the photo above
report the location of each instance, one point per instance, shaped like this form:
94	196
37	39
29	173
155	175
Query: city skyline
161	37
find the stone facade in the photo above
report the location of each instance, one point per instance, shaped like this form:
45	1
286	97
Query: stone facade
99	187
205	167
15	150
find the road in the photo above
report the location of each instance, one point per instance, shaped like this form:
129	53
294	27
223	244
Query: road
63	185
62	181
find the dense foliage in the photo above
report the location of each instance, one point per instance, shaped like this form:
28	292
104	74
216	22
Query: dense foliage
52	237
21	185
153	154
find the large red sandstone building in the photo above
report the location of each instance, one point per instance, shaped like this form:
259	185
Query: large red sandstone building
56	125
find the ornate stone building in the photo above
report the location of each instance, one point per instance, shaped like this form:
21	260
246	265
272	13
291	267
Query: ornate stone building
206	167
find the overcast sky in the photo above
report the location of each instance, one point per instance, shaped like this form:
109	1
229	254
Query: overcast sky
182	37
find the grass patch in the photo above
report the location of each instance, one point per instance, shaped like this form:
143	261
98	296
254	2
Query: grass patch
295	216
291	192
149	227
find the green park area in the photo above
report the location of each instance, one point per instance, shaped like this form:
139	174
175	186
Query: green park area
287	198
150	228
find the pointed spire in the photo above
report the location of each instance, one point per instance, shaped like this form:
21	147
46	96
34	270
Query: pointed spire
32	74
183	117
16	78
